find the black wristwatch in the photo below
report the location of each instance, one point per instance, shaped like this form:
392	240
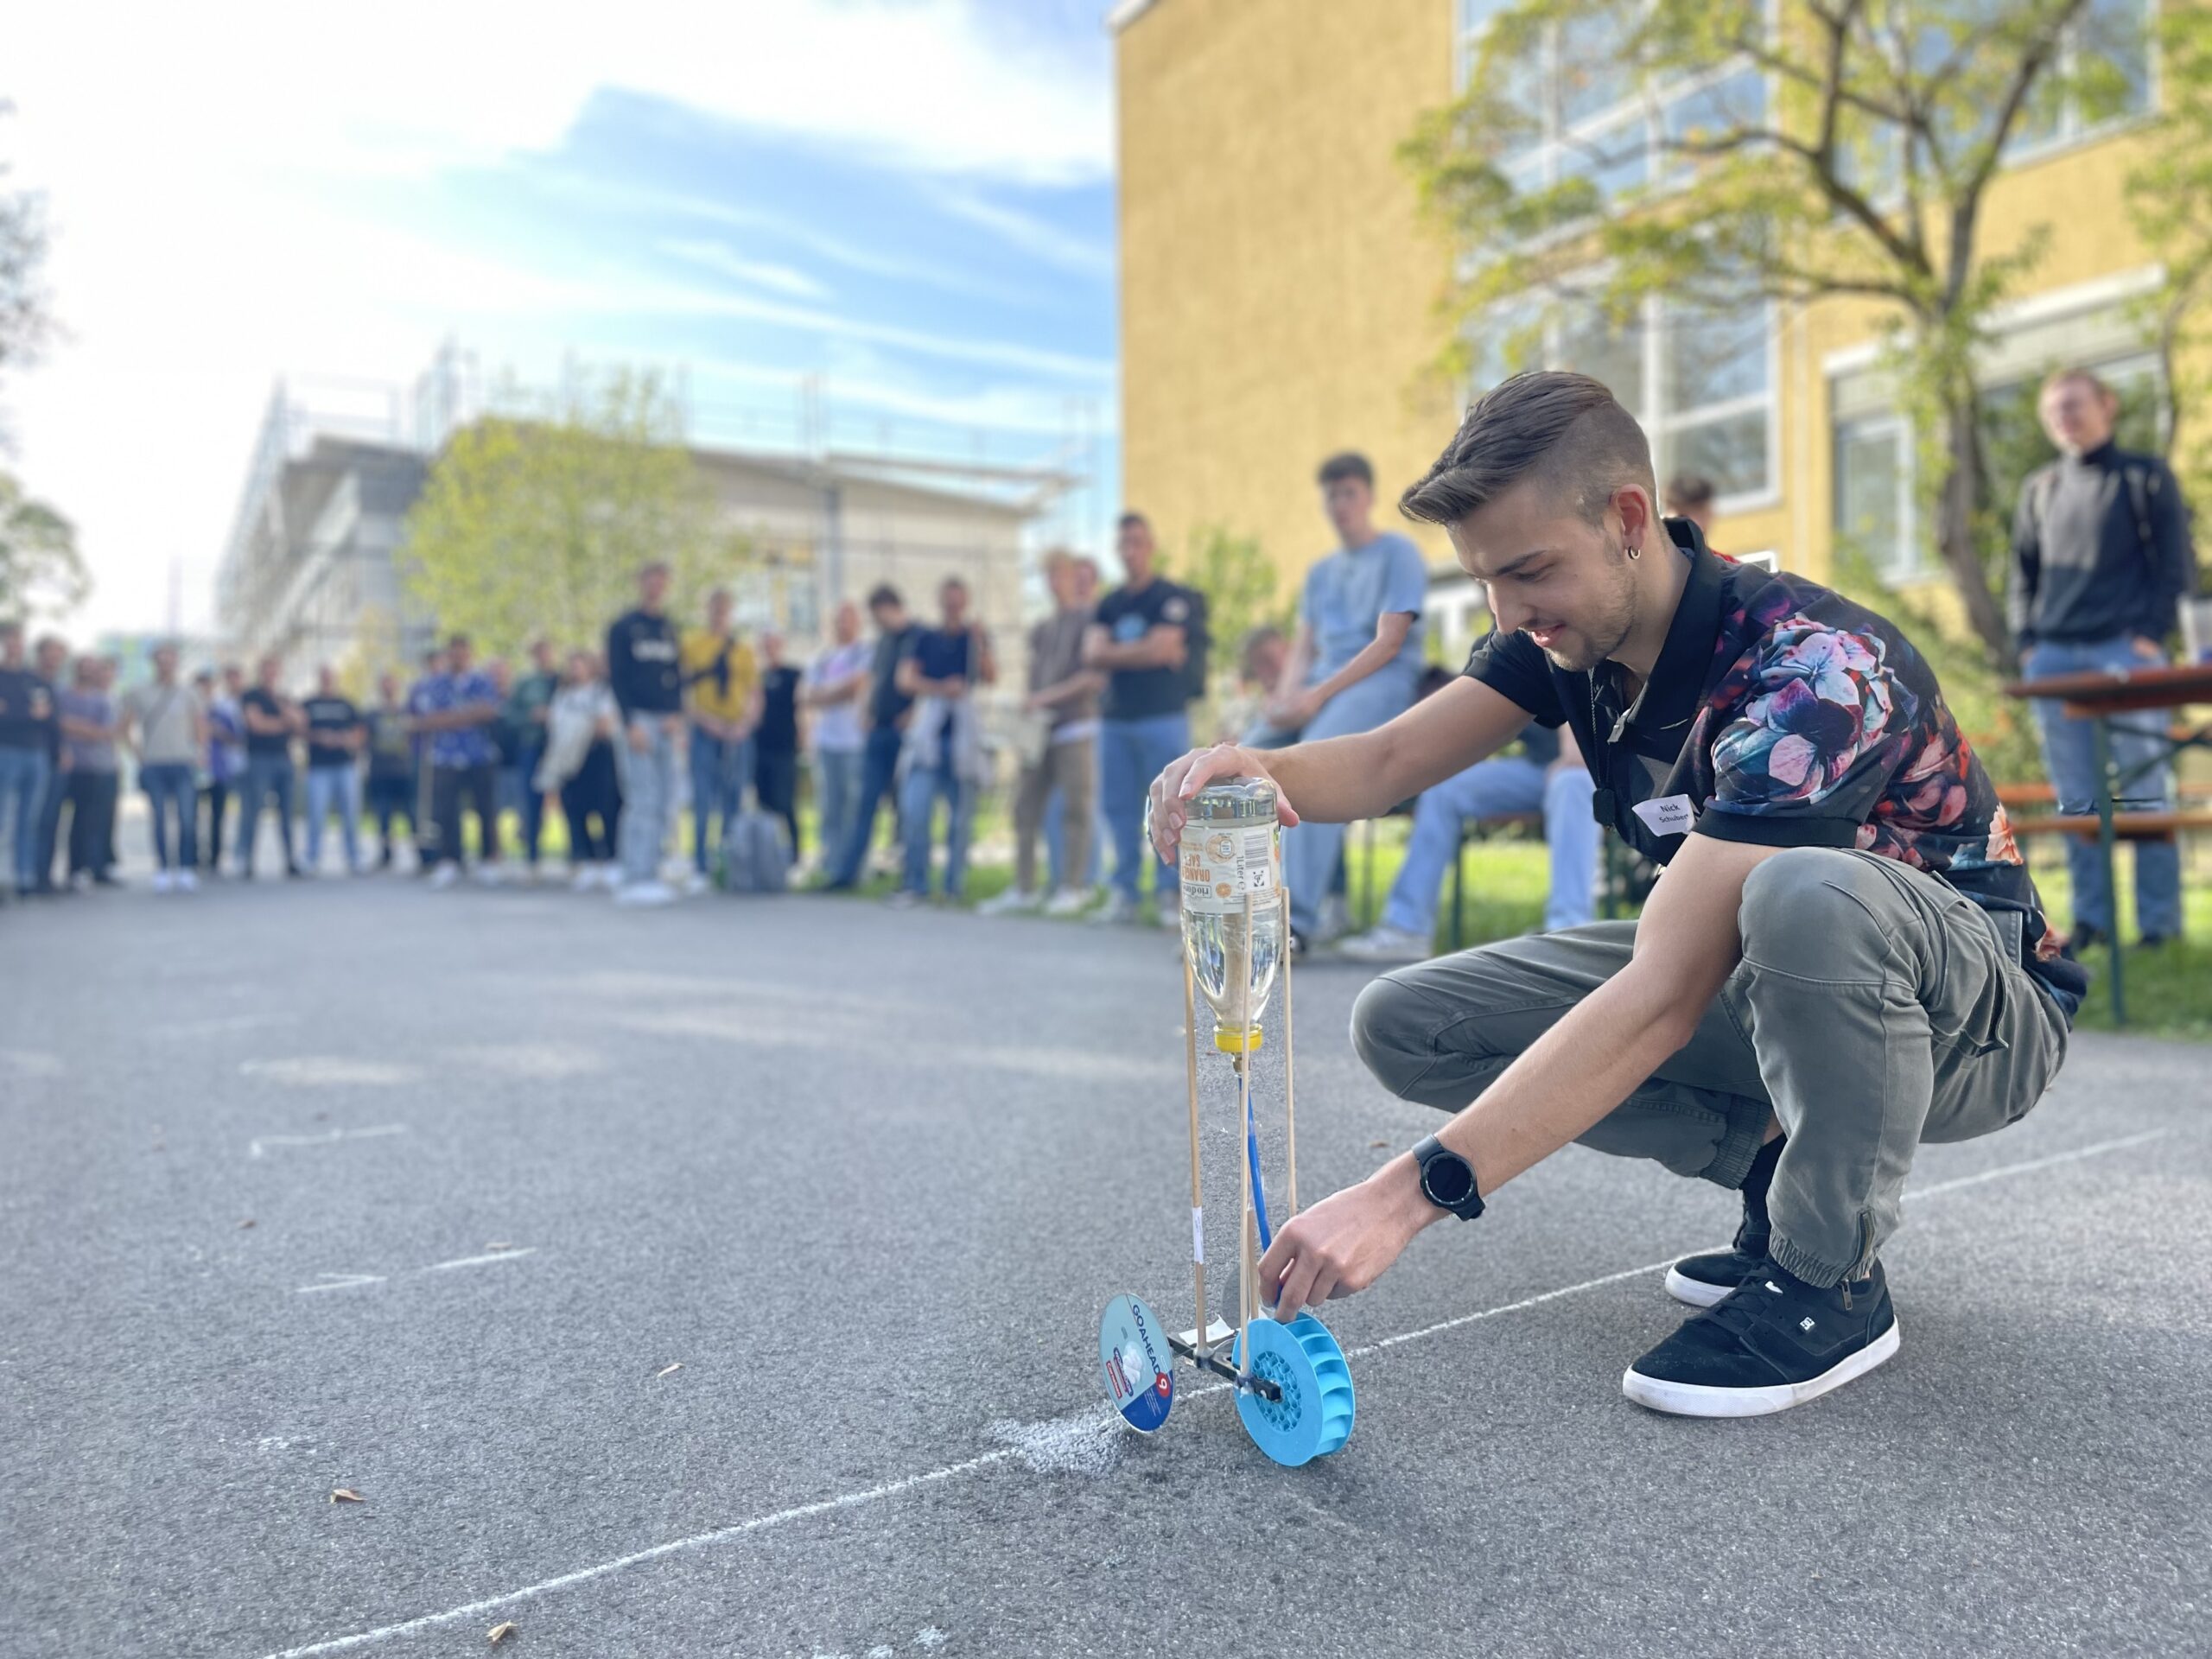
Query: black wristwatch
1447	1180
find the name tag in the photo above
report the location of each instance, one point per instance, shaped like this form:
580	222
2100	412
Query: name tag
1670	815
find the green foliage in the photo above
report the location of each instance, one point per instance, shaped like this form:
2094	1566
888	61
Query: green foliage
26	318
1806	151
2169	195
532	525
1241	583
40	570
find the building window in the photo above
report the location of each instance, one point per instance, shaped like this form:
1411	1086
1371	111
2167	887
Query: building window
1875	514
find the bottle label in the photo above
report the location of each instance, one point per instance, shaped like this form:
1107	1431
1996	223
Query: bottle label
1221	863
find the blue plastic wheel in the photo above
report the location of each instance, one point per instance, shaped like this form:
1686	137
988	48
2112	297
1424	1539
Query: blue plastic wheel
1313	1417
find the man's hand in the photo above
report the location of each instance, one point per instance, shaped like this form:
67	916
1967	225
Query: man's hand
672	725
2149	649
1164	810
640	739
1294	709
1346	1242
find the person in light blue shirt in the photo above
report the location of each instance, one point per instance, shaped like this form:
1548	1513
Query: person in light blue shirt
1353	664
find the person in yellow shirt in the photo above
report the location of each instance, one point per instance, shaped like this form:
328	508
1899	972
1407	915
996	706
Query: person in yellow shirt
721	692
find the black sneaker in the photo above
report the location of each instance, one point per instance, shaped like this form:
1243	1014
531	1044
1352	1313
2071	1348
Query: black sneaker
2084	936
1772	1342
1701	1281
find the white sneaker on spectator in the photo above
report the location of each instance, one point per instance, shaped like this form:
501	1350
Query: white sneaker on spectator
906	899
1167	908
1117	908
161	880
586	878
186	881
491	875
648	894
1384	942
698	881
1335	919
1011	902
1068	901
445	876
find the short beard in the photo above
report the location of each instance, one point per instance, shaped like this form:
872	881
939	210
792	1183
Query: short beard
1609	626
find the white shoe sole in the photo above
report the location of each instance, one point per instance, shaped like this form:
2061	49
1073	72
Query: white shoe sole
1695	1291
1693	1400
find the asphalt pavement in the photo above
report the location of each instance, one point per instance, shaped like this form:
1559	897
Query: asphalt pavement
725	1280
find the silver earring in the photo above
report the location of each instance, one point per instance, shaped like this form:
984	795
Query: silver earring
1636	550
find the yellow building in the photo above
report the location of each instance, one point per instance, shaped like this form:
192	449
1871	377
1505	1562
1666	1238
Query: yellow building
1280	297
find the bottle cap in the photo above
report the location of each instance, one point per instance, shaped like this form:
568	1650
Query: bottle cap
1229	1040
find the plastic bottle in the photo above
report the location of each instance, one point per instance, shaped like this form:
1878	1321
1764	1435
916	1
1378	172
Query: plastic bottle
1231	848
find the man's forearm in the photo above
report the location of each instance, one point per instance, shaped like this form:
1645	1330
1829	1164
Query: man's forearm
1372	658
1566	1081
1338	779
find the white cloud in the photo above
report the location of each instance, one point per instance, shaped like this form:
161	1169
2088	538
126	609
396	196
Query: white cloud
761	273
1030	234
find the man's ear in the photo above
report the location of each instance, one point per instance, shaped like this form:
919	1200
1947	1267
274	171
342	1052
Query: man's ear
1639	517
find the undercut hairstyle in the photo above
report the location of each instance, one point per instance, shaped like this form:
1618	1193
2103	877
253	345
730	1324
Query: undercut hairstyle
1350	464
1564	432
884	593
1688	491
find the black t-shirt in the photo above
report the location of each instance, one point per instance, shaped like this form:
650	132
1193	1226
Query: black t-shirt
270	706
26	717
941	654
1782	713
886	701
1127	616
391	746
329	719
642	665
779	731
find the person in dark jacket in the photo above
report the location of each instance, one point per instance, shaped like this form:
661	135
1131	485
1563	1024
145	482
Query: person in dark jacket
2101	556
644	671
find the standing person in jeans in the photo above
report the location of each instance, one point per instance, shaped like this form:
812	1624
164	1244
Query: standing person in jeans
885	712
528	706
27	715
1148	639
1354	662
390	788
166	728
644	671
424	816
1841	963
461	705
775	742
270	719
335	734
1065	693
942	755
583	726
223	764
2101	556
721	691
50	661
837	681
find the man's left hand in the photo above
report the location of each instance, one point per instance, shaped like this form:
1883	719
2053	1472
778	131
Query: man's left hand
1346	1242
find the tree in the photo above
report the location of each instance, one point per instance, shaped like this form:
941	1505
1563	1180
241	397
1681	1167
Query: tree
1792	153
1240	584
39	561
2171	196
530	526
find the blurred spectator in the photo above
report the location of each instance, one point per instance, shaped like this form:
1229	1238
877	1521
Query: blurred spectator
390	789
50	662
462	702
27	712
942	756
168	728
225	756
886	714
836	682
1149	639
271	718
424	816
1353	663
1261	656
721	687
1063	756
2101	556
1691	495
1056	871
528	713
335	734
90	727
583	723
647	677
775	744
510	784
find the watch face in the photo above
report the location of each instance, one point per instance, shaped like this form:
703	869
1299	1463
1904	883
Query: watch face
1448	1180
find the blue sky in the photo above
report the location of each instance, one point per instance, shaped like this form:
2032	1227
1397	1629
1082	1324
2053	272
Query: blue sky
911	198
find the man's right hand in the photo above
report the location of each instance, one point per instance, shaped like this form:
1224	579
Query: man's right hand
1165	809
641	740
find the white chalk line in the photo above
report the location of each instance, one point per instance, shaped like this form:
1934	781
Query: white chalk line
953	1472
254	1148
355	1280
